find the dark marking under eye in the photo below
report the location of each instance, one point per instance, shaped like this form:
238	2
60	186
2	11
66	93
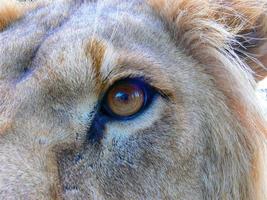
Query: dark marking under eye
97	128
25	72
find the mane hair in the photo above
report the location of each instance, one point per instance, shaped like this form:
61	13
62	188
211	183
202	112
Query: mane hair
210	32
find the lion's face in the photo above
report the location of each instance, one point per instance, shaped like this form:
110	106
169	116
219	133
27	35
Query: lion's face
98	100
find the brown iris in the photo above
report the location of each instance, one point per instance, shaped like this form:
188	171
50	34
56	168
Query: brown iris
125	99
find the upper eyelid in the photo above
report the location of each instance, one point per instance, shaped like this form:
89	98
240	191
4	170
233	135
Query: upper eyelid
134	65
115	79
165	90
146	79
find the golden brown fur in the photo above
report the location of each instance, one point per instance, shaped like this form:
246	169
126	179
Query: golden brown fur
10	11
204	137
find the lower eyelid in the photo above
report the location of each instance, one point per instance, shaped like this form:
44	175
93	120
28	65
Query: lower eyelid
141	121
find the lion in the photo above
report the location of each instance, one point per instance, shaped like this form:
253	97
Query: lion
132	99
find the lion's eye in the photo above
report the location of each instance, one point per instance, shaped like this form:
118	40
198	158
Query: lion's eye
126	98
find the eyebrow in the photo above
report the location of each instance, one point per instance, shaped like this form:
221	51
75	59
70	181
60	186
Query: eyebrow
96	51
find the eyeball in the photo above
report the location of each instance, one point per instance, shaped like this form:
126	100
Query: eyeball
127	98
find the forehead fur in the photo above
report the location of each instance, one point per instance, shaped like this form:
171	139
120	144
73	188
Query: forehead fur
96	50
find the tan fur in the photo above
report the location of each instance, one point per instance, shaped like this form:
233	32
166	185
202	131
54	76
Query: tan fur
10	11
239	17
202	137
96	51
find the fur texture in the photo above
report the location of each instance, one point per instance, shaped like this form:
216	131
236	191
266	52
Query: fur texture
203	136
12	10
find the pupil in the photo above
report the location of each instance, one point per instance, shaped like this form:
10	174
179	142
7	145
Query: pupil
122	96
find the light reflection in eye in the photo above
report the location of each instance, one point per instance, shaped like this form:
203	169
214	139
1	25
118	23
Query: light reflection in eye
126	98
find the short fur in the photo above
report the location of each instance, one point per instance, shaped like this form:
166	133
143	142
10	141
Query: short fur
11	11
203	137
